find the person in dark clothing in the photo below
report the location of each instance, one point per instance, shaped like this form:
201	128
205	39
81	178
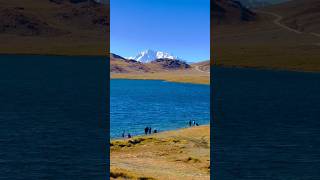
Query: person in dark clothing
155	131
129	135
190	123
149	130
146	129
197	124
194	122
123	134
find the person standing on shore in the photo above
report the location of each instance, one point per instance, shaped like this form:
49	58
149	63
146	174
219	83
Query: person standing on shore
123	134
194	122
149	130
146	129
190	123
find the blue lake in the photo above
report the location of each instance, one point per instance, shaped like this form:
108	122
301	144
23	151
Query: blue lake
266	124
135	104
53	117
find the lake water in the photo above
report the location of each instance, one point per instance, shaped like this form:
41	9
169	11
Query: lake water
135	104
266	124
53	120
52	117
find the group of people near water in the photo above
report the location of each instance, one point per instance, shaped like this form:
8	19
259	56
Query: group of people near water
193	123
148	130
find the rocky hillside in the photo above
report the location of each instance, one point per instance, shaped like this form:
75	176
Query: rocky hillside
171	64
16	20
230	12
119	64
59	27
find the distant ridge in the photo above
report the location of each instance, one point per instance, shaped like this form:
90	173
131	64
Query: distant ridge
117	56
120	64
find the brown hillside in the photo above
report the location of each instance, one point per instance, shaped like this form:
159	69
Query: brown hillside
267	42
303	15
57	27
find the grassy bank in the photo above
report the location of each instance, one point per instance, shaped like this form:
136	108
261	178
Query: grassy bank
181	76
180	154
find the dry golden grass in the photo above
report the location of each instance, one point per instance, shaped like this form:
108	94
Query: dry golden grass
184	76
181	154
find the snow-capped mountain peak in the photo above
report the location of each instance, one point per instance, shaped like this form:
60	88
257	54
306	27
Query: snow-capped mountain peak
151	55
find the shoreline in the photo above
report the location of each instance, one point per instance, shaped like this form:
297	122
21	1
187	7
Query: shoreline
160	132
184	82
168	77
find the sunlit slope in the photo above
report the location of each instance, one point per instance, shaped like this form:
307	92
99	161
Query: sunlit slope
265	42
180	154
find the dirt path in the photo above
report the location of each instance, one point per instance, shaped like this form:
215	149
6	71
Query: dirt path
277	21
196	67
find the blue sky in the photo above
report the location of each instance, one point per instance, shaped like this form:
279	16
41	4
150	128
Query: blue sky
180	27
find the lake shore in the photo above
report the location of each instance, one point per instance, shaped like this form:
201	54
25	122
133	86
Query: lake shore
173	76
177	154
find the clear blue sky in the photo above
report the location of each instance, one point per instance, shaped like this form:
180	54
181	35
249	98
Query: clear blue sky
180	27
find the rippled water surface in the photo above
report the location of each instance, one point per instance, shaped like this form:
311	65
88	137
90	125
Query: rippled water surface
267	124
52	117
136	104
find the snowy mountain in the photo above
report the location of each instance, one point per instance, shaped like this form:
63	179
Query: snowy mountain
151	55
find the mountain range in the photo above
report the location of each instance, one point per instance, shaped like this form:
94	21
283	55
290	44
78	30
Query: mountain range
174	70
151	55
162	62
